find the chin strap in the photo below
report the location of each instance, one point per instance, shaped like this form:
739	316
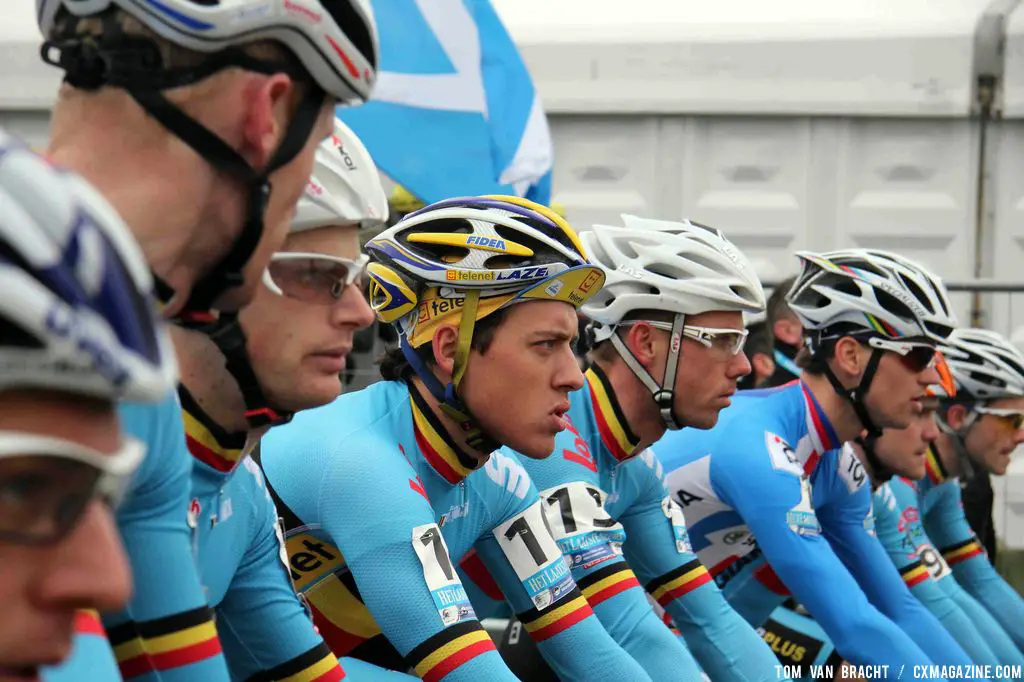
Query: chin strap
448	398
957	437
663	393
857	395
228	335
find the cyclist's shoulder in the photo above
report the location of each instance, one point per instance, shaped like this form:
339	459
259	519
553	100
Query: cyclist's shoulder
349	424
149	422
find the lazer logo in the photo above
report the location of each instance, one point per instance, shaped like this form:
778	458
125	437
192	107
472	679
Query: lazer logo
486	242
525	273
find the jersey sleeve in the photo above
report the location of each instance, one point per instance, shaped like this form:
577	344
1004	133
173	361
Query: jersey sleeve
898	527
528	566
264	628
991	632
774	500
377	519
167	632
658	548
948	527
854	541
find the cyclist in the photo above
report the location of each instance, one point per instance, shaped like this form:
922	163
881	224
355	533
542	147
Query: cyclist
787	332
264	628
383	488
979	429
78	333
668	328
183	120
771	476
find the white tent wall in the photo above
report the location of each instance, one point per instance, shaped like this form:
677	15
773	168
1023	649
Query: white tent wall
789	125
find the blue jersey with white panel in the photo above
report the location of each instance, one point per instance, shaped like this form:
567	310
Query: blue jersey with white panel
167	632
376	501
610	512
771	476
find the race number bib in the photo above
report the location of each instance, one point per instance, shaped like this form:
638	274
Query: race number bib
933	561
581	525
445	587
535	556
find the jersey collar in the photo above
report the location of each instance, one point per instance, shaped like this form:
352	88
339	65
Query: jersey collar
933	467
207	441
615	433
449	461
823	436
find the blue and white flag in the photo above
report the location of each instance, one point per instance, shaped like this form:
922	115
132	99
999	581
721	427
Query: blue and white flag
454	111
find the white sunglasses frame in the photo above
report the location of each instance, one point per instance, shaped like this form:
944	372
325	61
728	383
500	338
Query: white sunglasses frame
702	335
355	268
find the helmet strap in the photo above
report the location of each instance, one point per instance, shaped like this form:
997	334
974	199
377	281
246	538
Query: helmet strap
857	396
448	396
229	337
958	437
663	393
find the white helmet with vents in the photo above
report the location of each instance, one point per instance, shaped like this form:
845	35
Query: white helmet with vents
677	267
985	365
344	188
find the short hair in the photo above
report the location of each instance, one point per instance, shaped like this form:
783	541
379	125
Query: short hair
395	367
760	339
778	307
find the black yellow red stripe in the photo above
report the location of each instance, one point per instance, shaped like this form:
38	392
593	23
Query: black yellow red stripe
173	642
88	623
933	467
447	650
556	618
962	551
340	615
914	574
207	441
767	576
447	460
678	582
316	665
606	582
611	423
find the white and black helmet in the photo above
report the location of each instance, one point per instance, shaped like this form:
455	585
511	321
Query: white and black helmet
865	291
345	186
676	267
984	364
77	313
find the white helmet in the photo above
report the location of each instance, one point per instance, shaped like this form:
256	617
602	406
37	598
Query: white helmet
344	188
77	313
985	365
865	291
336	41
682	267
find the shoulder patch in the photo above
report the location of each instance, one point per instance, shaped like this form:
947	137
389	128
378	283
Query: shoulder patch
782	456
850	469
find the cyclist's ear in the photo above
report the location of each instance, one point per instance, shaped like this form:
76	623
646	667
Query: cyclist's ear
643	340
955	416
848	358
444	345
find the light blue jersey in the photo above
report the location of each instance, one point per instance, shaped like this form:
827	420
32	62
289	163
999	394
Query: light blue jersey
377	501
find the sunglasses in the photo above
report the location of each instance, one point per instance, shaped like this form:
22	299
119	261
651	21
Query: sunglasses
1011	417
916	356
47	483
312	277
724	341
